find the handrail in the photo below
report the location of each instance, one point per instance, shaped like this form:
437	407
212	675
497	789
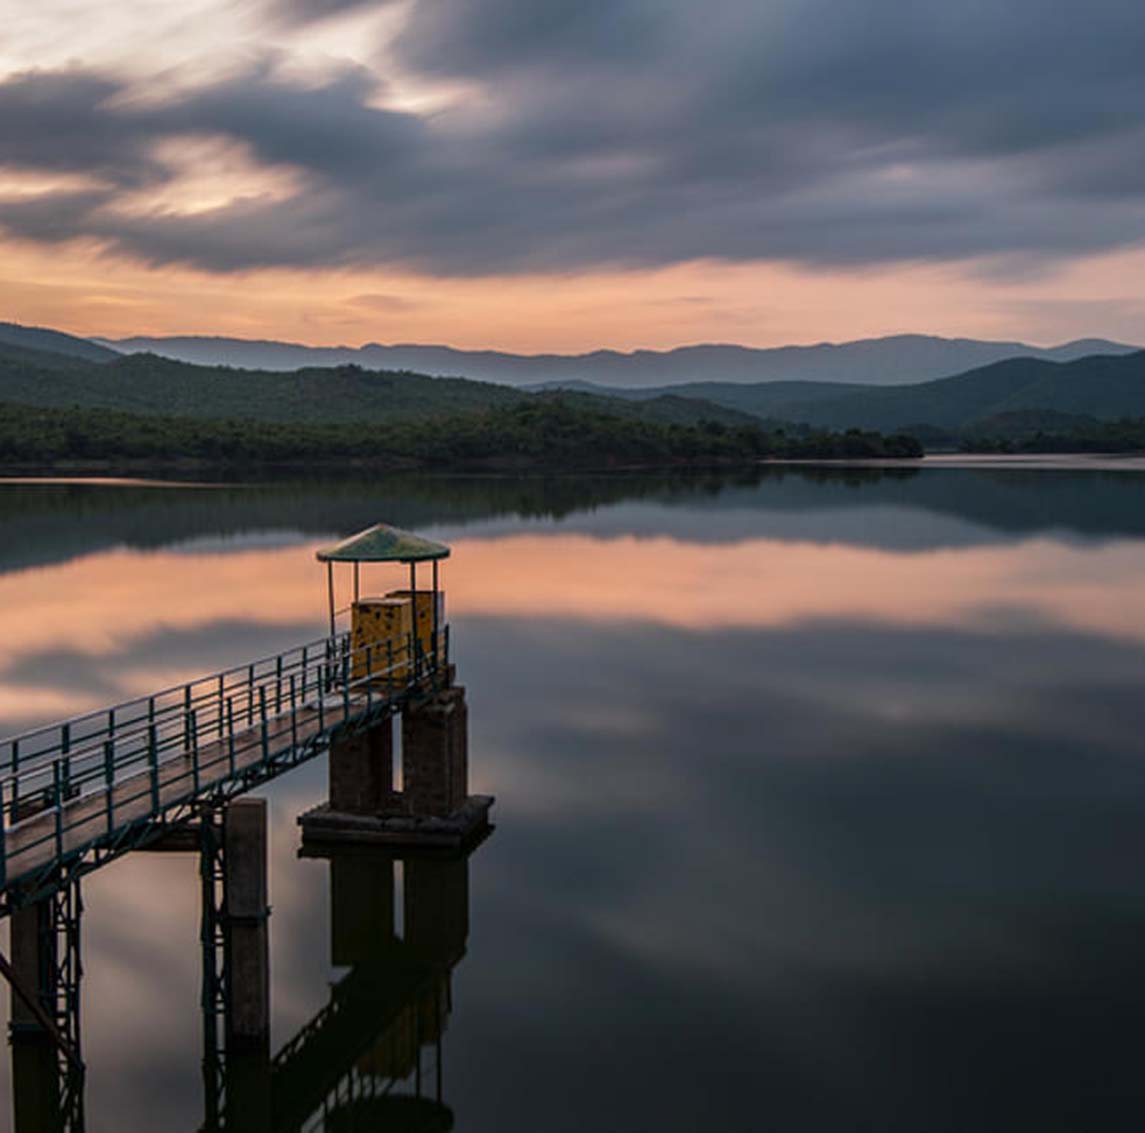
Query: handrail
229	713
341	639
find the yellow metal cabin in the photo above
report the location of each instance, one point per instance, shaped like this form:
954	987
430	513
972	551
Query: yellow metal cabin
396	634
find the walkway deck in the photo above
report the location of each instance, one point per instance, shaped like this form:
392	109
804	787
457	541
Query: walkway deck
88	789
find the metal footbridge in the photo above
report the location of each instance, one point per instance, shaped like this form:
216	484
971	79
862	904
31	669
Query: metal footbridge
78	793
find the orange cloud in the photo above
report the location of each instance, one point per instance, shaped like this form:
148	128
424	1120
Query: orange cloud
77	288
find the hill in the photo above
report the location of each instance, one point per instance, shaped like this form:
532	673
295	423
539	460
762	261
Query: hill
53	342
761	399
1102	387
147	384
894	360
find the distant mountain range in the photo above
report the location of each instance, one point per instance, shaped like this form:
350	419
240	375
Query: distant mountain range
57	376
897	360
46	368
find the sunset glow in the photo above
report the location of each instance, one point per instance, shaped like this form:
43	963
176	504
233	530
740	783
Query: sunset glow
339	173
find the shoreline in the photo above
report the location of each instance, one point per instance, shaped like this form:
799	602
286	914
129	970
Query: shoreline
193	474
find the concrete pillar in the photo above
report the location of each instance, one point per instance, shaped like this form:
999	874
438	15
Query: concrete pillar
435	754
245	898
361	908
35	1062
362	771
247	965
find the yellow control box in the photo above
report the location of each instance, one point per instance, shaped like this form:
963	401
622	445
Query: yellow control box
380	628
424	617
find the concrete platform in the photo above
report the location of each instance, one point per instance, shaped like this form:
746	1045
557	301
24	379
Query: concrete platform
323	825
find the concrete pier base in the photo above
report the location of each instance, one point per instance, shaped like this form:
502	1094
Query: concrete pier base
453	832
434	808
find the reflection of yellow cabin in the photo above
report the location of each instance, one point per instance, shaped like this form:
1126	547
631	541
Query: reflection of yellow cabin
394	1054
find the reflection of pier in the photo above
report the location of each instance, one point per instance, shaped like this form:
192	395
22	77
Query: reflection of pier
385	1019
163	773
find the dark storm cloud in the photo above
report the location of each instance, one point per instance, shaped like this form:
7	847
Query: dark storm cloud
629	132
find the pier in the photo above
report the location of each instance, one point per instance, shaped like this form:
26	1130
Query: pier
169	771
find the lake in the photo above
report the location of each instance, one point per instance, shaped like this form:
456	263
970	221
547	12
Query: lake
820	792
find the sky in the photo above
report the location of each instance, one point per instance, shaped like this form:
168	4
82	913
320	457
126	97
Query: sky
558	175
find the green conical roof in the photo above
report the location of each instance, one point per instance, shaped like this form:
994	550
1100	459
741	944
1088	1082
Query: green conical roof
383	544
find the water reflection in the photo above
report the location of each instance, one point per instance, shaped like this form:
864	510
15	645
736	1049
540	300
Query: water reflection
822	797
371	1057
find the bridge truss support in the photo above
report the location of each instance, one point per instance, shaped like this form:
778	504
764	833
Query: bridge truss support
46	971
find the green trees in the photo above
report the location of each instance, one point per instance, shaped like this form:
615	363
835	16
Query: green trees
540	432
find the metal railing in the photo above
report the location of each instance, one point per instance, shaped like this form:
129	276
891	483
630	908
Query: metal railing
134	762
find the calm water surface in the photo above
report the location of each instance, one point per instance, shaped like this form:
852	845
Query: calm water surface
820	796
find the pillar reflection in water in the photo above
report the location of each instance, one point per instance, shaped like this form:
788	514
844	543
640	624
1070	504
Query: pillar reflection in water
372	1057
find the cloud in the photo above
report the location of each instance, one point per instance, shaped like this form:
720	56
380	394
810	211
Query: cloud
304	12
631	134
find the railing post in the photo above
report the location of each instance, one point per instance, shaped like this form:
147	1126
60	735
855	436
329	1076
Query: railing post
278	684
222	697
186	717
293	714
193	732
346	686
153	762
262	715
57	782
65	747
305	664
250	695
109	782
13	813
3	840
231	734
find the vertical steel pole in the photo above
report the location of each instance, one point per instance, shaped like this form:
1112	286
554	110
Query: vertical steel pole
15	811
109	782
413	617
3	842
435	601
153	760
57	784
231	734
330	593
